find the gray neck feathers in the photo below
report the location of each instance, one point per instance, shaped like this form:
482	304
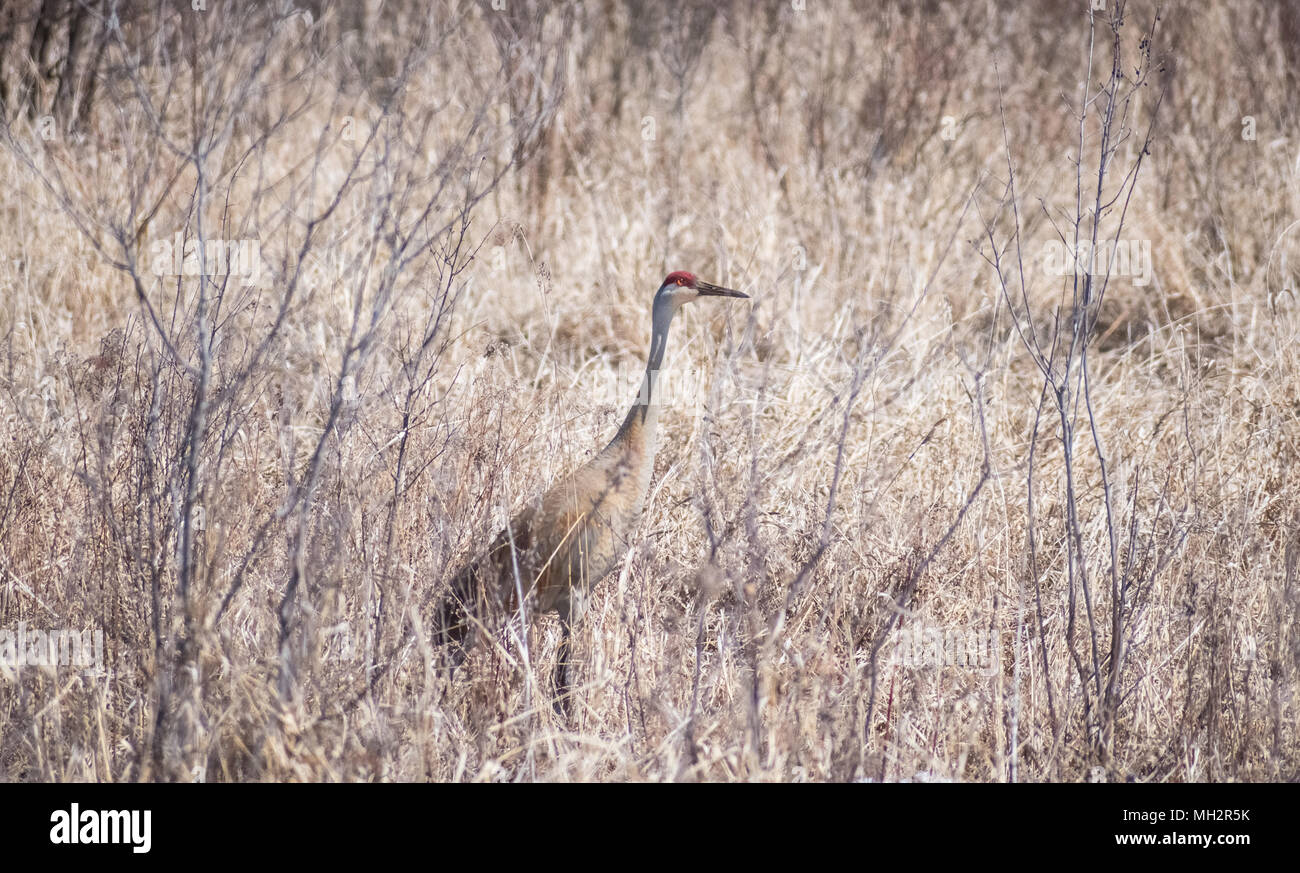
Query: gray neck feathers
662	318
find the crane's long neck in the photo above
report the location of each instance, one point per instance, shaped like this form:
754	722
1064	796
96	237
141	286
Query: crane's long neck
645	408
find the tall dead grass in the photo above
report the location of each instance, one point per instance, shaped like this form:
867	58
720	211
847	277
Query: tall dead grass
258	489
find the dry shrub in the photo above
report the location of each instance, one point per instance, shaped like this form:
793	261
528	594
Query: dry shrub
258	490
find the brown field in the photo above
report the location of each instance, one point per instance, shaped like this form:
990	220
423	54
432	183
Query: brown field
936	504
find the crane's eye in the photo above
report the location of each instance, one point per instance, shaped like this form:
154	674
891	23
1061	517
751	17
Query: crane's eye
681	282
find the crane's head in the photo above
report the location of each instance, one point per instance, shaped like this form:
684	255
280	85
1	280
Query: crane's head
678	288
683	287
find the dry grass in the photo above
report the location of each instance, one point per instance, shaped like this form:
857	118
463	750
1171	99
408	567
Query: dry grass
847	467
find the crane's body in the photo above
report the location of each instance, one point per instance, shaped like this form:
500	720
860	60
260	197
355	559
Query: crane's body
572	536
555	548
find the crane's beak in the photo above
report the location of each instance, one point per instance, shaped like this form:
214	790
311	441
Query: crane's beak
707	290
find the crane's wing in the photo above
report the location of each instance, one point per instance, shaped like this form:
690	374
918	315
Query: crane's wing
570	538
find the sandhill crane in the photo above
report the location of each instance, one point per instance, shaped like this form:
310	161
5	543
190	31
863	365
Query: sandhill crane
556	547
